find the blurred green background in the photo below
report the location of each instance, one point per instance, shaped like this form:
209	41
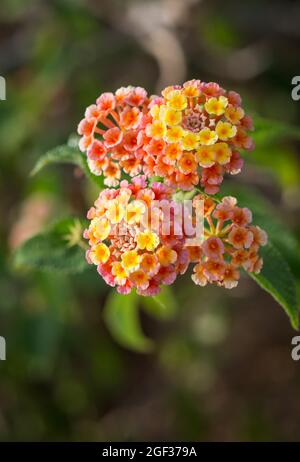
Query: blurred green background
221	367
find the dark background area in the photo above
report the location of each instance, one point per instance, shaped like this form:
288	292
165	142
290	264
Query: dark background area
221	368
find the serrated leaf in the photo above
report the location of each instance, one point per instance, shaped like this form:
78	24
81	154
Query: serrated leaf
50	250
121	314
162	306
66	154
276	278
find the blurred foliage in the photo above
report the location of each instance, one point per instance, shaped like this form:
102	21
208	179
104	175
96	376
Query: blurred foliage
220	368
60	248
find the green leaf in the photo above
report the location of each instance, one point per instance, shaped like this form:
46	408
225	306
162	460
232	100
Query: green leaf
56	249
267	131
66	154
277	279
121	315
163	306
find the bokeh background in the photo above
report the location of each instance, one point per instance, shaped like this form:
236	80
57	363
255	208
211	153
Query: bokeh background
221	368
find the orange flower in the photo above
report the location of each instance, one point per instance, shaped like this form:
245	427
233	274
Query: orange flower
130	118
240	237
172	153
112	137
106	102
166	255
112	173
187	163
131	165
194	252
139	279
199	277
214	270
97	150
213	248
230	277
87	126
149	263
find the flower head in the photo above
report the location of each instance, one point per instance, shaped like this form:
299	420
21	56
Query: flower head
207	125
110	131
189	134
127	237
230	242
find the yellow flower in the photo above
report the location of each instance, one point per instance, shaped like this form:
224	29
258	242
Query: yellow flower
170	116
134	212
222	153
174	134
205	156
149	263
119	272
166	255
190	141
177	100
99	254
101	228
216	105
165	93
156	130
115	212
139	279
207	136
225	130
147	240
130	261
172	153
124	196
234	114
191	91
154	111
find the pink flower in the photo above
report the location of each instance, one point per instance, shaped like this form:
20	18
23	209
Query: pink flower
240	237
97	150
213	248
112	137
106	102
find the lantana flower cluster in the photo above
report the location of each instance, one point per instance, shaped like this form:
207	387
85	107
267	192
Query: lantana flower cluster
197	127
111	133
127	240
190	133
231	243
184	140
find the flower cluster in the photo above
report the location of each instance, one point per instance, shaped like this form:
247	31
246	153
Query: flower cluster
131	248
189	136
230	242
197	126
127	240
111	133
